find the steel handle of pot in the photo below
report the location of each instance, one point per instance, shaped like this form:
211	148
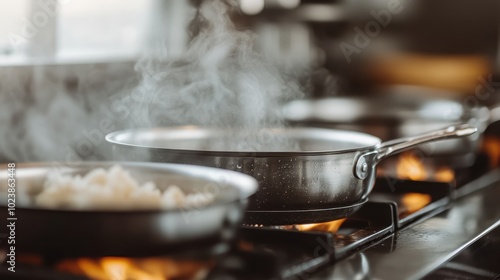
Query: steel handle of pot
392	147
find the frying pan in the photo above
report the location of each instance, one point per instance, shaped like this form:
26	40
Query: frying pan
390	116
66	233
327	176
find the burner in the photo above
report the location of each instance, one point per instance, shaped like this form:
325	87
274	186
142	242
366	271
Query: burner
300	216
435	196
369	238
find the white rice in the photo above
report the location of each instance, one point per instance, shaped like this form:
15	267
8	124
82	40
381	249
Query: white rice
113	189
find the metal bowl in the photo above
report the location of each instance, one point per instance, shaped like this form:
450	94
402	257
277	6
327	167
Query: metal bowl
128	232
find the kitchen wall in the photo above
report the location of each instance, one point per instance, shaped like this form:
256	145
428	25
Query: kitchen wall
61	112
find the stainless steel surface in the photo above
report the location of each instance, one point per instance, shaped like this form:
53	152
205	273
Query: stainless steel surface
116	230
290	217
478	261
415	251
495	113
392	147
389	116
319	174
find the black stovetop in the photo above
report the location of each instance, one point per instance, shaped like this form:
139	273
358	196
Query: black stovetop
438	243
456	233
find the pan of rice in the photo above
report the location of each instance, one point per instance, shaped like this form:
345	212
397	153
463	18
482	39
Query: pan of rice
123	209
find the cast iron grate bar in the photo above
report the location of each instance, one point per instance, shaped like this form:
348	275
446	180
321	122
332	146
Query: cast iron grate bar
246	265
379	221
300	254
393	190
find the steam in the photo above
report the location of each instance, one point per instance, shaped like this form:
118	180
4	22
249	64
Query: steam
53	113
221	81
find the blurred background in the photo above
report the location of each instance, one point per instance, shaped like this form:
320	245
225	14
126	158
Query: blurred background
88	49
356	44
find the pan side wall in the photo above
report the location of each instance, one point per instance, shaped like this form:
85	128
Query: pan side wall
285	182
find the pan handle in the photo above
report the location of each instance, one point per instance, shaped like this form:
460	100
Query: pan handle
392	147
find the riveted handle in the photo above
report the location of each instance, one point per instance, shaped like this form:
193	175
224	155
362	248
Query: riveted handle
396	146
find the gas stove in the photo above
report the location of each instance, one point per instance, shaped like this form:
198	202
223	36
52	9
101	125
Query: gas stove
437	244
407	230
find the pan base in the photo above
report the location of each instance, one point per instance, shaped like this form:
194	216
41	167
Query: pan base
290	217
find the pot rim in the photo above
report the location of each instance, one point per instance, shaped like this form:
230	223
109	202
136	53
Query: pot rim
362	141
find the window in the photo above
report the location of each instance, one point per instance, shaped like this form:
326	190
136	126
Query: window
12	14
75	28
104	26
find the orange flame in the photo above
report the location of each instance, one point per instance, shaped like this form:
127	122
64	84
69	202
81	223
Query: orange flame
444	174
491	146
332	226
410	167
413	202
117	268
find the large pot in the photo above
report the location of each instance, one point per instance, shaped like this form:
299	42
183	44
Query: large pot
327	176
